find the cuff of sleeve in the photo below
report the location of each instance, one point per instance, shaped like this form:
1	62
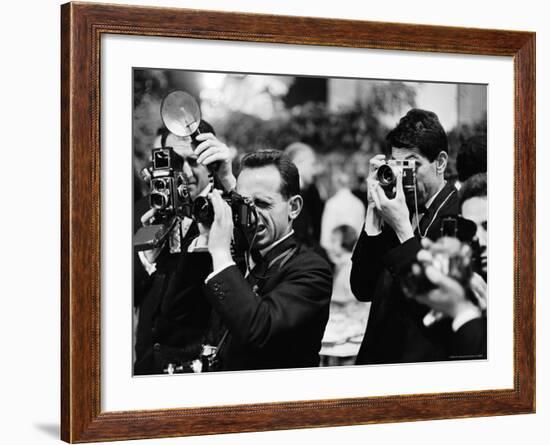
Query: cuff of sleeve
199	244
465	316
150	268
402	256
218	270
373	222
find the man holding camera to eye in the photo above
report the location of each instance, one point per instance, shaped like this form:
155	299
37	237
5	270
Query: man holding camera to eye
273	313
399	215
168	328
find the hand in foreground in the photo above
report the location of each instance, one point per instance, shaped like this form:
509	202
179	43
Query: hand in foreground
393	211
221	231
211	151
147	219
374	164
479	288
449	296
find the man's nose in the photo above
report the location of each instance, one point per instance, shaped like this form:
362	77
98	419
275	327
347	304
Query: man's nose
187	171
481	236
258	217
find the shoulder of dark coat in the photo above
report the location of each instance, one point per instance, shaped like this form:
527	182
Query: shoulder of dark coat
305	258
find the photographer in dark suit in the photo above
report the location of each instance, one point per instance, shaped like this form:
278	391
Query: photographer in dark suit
464	305
397	330
273	314
170	330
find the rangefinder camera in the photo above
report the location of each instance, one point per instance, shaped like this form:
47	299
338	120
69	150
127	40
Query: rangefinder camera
387	176
244	213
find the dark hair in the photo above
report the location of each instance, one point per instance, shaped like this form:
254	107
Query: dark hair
419	129
204	127
349	236
472	157
475	186
290	178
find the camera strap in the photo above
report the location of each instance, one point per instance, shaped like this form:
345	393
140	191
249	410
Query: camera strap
434	215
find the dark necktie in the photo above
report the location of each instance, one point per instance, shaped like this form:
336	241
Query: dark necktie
257	272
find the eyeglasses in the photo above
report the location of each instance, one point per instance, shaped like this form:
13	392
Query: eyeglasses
191	160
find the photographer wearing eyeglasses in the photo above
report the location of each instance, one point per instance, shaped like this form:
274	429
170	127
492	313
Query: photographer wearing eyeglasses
169	328
407	200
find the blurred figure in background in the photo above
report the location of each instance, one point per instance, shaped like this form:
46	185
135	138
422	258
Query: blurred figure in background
348	317
473	206
308	225
360	187
342	209
339	249
471	158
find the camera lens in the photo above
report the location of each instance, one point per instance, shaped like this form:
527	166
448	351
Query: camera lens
203	211
159	200
182	191
159	185
385	175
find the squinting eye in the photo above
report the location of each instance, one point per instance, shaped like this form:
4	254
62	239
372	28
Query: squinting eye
262	205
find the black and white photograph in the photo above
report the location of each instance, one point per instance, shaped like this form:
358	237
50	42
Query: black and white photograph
285	222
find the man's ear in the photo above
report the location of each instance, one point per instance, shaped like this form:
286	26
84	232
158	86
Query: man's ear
441	162
295	205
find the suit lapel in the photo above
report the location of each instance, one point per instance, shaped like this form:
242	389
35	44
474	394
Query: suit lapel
265	269
434	210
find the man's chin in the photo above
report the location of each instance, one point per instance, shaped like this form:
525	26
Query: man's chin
193	190
260	240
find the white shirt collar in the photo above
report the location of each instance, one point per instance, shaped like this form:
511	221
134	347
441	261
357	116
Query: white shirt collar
205	191
279	241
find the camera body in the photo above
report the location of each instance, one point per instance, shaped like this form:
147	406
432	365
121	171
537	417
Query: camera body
387	175
168	193
244	213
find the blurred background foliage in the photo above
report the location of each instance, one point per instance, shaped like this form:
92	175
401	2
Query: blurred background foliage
344	120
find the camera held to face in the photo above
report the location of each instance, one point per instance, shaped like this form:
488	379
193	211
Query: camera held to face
244	211
387	176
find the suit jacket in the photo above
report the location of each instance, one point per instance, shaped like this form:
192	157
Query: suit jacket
395	330
277	316
470	340
162	321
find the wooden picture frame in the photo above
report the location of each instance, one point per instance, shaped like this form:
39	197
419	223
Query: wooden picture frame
82	26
